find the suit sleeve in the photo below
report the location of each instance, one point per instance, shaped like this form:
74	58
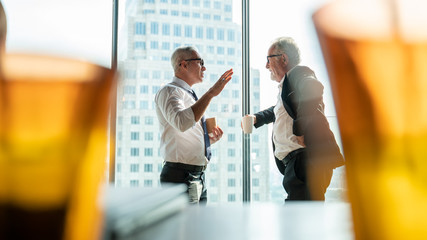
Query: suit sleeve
265	117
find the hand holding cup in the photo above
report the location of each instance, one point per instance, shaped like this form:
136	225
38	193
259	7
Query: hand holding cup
248	122
215	133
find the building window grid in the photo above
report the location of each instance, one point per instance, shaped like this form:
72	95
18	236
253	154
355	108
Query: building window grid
140	28
149	11
196	3
231	122
134	183
217	5
154	28
129	89
148	152
188	31
231	197
148	183
140	45
231	167
154	45
231	137
166	46
227	8
148	136
177	30
185	14
134	152
143	104
134	168
210	33
134	136
165	29
206	3
231	182
143	89
148	167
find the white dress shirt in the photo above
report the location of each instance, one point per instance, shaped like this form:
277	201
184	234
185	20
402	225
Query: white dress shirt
283	137
182	138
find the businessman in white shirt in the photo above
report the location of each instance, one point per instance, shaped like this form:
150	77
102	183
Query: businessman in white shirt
185	144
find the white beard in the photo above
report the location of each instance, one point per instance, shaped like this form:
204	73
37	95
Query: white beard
273	76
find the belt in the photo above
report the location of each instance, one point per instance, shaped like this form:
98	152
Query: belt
292	155
187	167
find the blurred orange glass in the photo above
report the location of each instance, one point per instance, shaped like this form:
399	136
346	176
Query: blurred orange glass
376	55
53	147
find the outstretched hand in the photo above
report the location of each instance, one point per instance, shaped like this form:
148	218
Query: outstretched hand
202	104
220	84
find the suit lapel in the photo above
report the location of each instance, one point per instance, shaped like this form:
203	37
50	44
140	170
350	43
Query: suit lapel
286	96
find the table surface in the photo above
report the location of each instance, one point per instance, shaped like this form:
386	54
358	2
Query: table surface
299	220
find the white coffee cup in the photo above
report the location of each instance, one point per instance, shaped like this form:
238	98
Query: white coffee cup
247	124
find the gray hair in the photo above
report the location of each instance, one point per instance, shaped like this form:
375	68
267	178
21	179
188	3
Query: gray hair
288	46
181	53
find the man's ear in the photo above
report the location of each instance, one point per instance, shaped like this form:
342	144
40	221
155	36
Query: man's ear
285	58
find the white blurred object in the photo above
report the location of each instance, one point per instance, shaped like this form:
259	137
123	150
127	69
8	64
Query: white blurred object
79	29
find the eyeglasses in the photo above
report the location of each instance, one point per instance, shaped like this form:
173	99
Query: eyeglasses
275	55
202	63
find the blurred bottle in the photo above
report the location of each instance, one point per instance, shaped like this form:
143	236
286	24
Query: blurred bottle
376	54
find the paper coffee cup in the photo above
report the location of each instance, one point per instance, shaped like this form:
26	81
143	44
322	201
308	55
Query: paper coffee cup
247	124
210	124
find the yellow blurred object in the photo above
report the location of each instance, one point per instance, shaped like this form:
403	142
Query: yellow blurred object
53	136
376	55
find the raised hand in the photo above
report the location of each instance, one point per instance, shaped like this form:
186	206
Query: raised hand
201	105
220	84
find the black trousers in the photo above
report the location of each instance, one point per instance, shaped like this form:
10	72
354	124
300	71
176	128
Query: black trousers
304	178
192	176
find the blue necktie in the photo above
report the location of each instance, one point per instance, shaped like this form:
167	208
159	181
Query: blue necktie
208	153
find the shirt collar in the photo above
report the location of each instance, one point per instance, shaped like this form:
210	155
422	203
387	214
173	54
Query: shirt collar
283	79
181	83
